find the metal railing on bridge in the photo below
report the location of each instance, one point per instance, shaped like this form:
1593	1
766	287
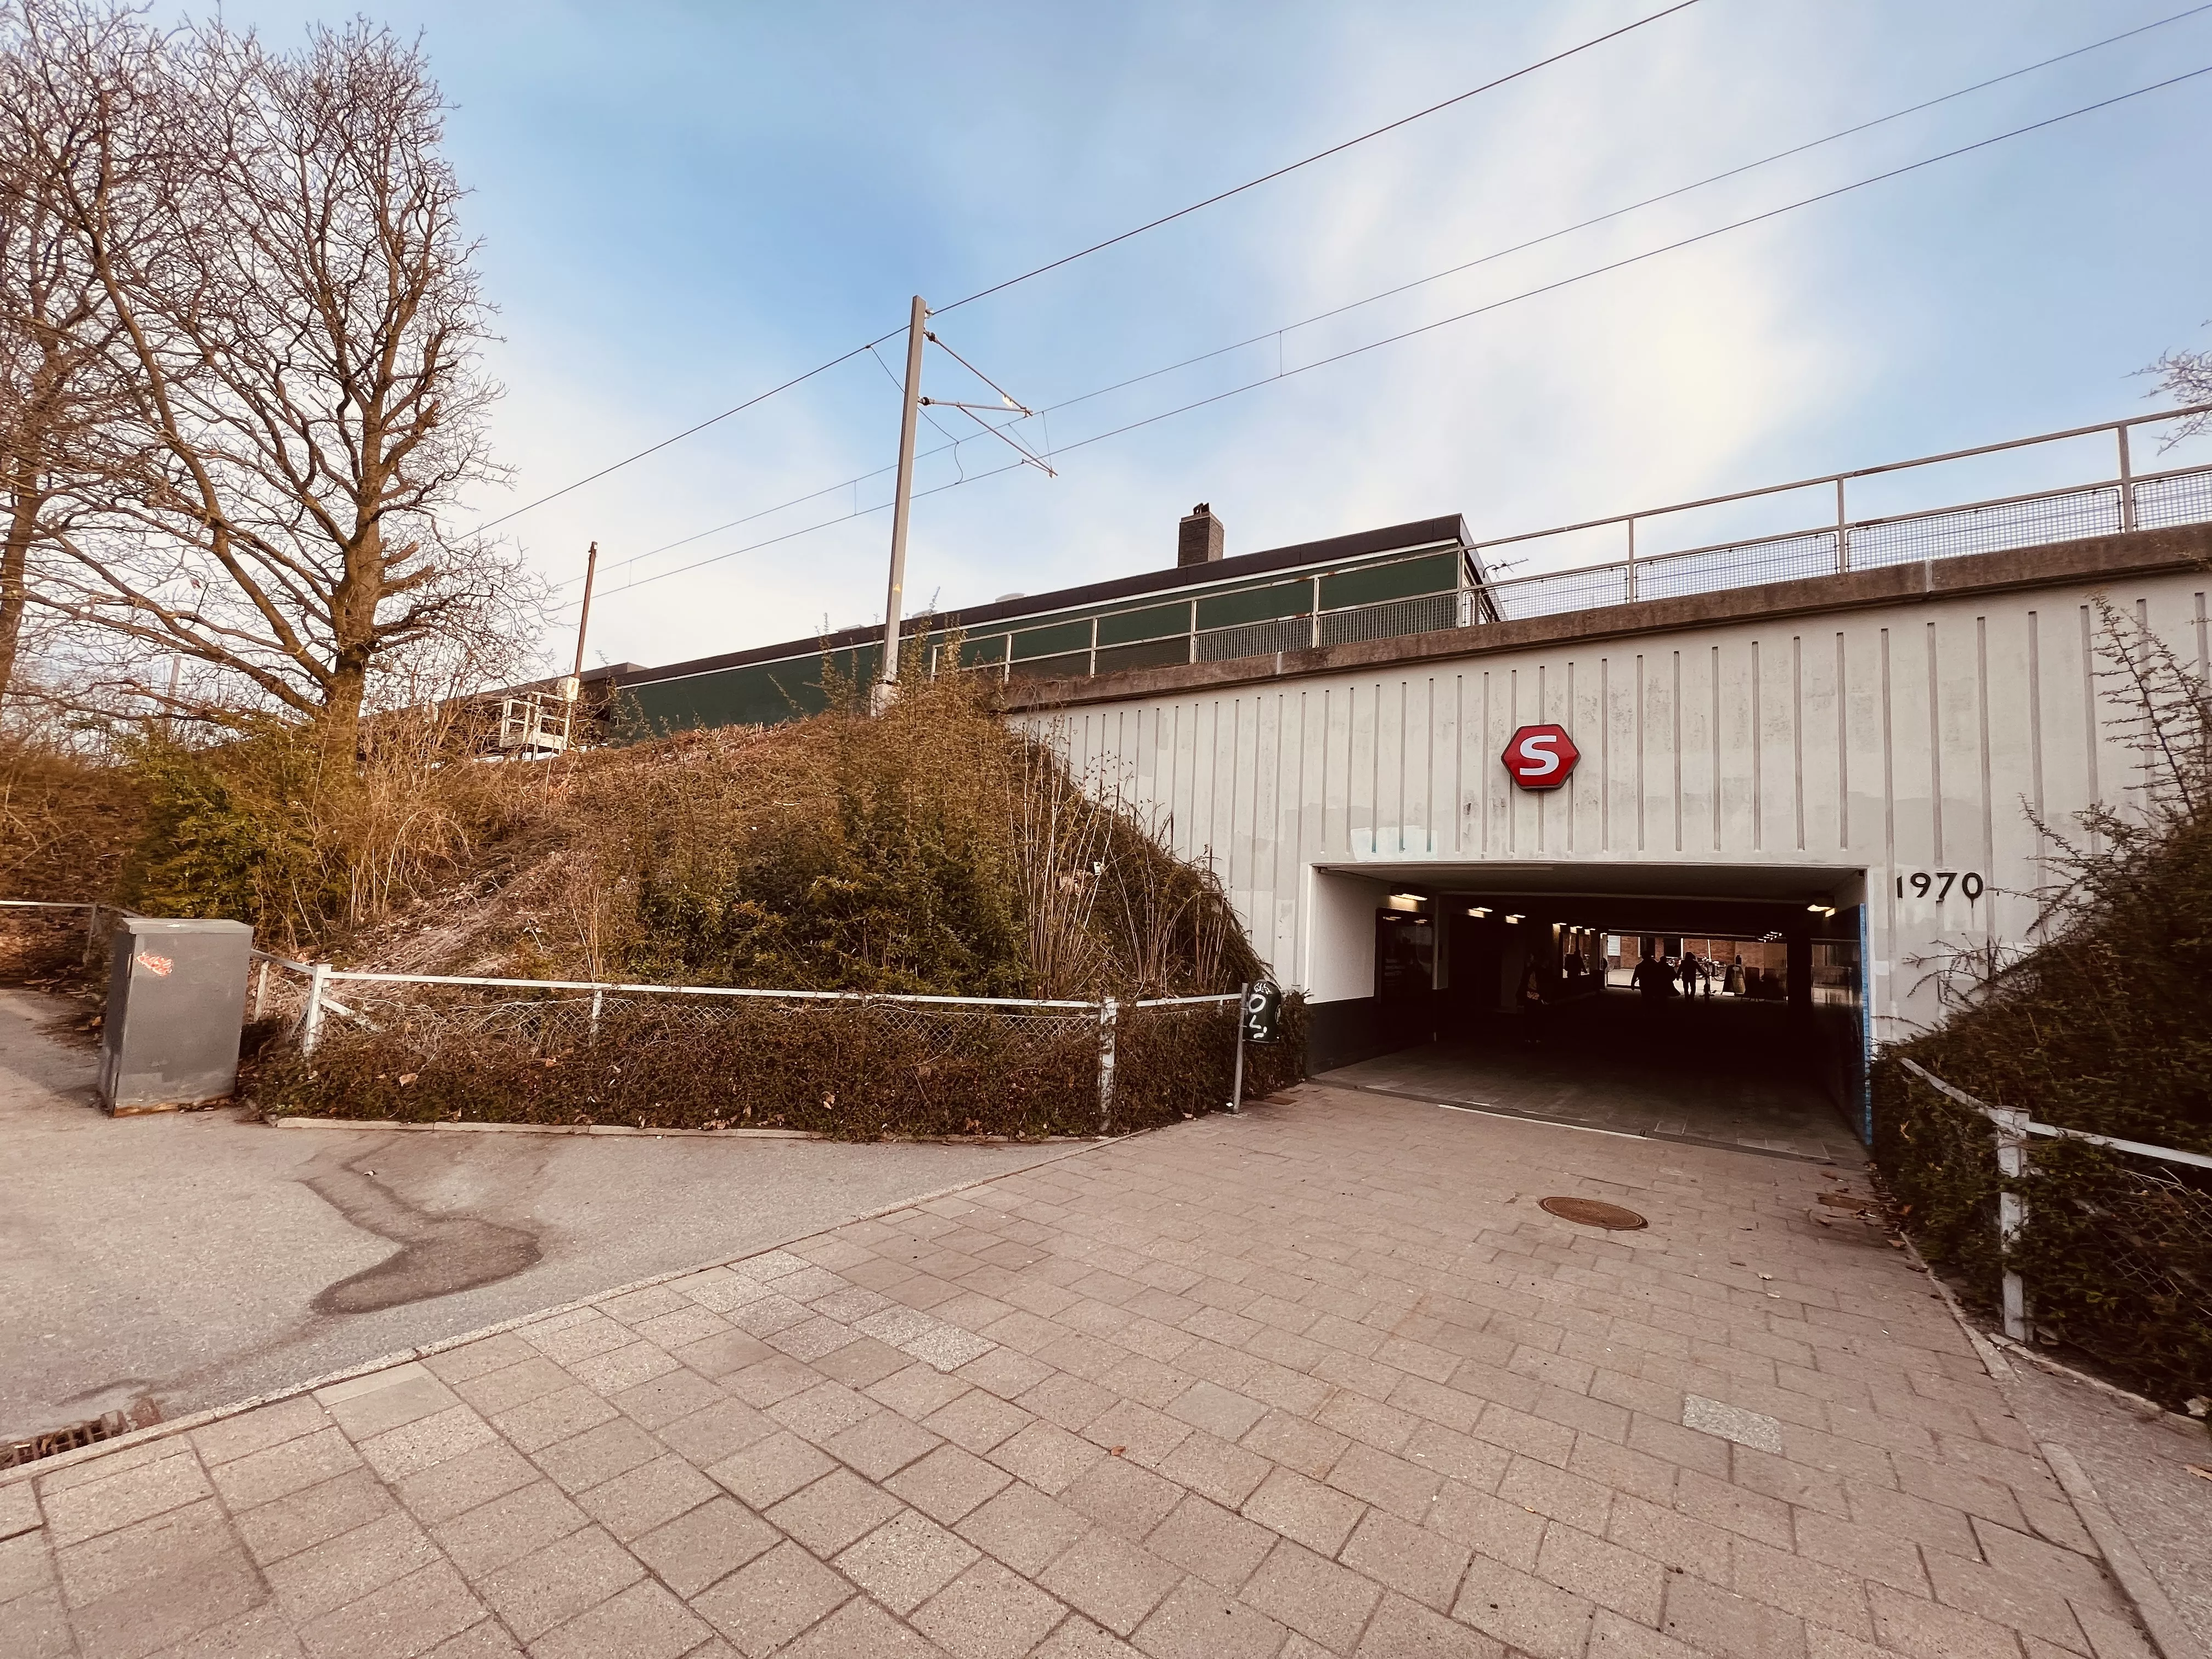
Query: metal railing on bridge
2102	504
2124	500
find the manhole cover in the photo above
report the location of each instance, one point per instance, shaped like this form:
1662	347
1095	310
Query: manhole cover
1591	1213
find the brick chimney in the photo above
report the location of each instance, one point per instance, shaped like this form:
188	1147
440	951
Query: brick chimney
1198	538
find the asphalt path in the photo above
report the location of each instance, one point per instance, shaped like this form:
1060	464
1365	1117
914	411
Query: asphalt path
198	1258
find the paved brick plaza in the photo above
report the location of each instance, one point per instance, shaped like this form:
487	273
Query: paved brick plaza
1323	1379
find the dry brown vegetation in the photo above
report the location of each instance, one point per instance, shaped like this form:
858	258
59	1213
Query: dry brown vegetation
263	825
927	848
67	822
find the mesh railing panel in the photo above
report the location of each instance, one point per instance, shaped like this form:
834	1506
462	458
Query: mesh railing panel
275	995
2161	502
1746	564
1255	639
1987	529
427	1053
1941	1160
1571	590
1390	619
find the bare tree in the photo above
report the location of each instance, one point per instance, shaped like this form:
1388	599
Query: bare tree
58	393
285	288
2185	377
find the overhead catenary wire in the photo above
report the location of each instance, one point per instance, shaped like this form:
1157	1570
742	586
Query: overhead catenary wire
1048	449
951	442
1595	219
1478	311
1635	259
1095	247
1445	322
688	431
1318	155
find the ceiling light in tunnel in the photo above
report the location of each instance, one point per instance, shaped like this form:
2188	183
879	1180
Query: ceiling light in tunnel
1821	910
1405	901
1513	918
1478	909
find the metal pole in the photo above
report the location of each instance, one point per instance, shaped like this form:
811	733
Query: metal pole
584	622
572	689
2012	1213
311	1020
903	503
2127	481
1109	1013
260	988
1843	531
597	993
1632	559
1237	1082
91	933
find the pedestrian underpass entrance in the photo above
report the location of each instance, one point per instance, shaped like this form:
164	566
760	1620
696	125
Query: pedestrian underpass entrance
1713	1003
1867	764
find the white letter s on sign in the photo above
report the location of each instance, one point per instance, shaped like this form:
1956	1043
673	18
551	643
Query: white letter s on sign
1536	750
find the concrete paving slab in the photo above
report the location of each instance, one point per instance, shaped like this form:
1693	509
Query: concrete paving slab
1713	1070
194	1258
1534	1488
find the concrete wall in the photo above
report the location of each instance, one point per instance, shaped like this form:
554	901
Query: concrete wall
1888	735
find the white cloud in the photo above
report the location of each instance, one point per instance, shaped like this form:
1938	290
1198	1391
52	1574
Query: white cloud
764	196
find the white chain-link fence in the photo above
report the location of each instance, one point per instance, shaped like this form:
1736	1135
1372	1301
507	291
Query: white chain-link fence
428	1048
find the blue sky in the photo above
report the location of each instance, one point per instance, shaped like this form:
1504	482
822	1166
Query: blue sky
684	204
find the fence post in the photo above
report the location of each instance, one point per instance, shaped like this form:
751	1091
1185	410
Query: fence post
1843	531
91	933
2127	481
1109	1013
1237	1080
1632	560
311	1019
260	988
598	991
2012	1213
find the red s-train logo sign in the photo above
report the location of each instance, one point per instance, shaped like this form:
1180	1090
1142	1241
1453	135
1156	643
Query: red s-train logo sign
1541	756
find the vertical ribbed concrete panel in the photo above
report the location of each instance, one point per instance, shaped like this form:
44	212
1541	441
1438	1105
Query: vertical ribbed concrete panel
1884	740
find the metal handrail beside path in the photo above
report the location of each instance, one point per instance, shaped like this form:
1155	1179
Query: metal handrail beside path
2014	1127
2052	1131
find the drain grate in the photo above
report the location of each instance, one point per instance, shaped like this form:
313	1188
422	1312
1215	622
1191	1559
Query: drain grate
14	1453
54	1442
1592	1214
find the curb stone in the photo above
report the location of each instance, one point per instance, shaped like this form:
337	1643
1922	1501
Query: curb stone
398	1126
2172	1636
2152	1608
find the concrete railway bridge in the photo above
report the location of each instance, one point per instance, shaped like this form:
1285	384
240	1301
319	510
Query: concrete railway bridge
1827	748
